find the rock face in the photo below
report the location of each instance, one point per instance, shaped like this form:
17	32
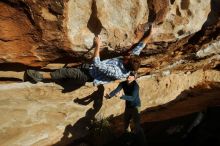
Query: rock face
183	55
41	114
36	32
29	29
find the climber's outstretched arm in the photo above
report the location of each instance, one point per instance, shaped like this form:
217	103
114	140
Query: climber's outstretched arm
153	30
98	44
137	50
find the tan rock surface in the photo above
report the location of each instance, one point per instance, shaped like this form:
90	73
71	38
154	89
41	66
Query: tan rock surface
35	33
183	18
38	114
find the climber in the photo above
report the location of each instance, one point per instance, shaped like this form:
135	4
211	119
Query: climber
100	72
132	105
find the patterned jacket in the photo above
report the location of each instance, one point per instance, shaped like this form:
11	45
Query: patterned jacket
111	69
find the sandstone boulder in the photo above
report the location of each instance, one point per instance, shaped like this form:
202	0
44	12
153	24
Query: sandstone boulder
37	32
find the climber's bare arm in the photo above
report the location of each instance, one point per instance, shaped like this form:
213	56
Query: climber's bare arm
147	39
98	44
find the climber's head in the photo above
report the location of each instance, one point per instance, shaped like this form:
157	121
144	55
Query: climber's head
131	77
132	63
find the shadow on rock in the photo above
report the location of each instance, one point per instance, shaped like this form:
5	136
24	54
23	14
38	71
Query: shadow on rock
75	134
69	85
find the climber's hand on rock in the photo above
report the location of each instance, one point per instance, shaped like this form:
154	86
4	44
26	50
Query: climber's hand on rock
154	29
107	96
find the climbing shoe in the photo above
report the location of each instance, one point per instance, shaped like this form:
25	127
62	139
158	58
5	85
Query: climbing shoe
33	76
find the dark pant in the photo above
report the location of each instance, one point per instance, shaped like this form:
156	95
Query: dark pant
134	114
80	74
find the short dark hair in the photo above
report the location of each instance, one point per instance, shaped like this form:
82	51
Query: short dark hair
134	63
133	73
